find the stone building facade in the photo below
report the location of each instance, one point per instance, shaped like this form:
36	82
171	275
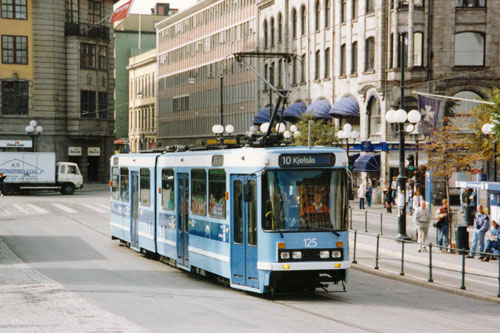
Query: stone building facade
71	94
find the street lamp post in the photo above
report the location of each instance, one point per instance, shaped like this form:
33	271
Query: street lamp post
399	117
347	133
33	131
488	129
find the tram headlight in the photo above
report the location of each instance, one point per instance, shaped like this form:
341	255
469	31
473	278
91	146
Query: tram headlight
324	254
297	255
336	254
285	255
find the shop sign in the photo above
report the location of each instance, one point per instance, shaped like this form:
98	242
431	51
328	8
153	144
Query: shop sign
94	151
15	144
74	151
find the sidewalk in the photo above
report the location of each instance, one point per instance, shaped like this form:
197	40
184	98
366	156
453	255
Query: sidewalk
481	278
30	301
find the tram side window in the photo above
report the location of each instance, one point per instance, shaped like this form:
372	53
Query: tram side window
115	183
167	189
145	195
199	192
238	212
252	215
124	184
217	193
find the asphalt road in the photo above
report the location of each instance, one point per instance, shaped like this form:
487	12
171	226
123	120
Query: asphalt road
67	239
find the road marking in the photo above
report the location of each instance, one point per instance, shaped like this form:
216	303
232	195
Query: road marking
94	208
21	209
5	212
64	208
38	209
106	207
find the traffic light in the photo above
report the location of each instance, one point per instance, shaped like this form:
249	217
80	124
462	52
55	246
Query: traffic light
351	162
411	162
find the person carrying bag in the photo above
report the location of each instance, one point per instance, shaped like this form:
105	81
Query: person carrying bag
422	221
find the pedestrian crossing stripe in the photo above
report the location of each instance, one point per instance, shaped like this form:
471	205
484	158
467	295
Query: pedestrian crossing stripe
64	208
37	209
21	209
95	208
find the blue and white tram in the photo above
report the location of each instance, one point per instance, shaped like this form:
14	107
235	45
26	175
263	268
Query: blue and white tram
265	219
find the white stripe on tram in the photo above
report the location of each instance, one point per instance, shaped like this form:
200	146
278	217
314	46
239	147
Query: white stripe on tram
209	254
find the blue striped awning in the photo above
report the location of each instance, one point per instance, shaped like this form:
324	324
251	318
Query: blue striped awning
319	109
264	116
367	163
294	112
347	107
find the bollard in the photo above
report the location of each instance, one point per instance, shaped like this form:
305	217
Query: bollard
350	214
402	273
381	230
354	248
463	271
376	253
366	222
430	263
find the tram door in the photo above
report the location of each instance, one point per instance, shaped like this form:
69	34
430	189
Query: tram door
244	231
134	210
182	219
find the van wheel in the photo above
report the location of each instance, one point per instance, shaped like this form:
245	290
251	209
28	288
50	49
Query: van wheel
67	188
9	189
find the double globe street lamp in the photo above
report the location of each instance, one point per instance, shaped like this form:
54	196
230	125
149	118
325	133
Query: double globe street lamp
33	131
399	117
347	133
487	129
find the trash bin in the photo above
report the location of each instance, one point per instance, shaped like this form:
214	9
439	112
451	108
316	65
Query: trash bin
469	219
461	239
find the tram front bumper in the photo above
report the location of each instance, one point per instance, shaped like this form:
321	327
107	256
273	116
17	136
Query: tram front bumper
303	266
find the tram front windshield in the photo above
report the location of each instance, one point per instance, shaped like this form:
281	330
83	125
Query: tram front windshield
303	200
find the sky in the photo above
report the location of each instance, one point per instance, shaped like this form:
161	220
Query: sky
144	6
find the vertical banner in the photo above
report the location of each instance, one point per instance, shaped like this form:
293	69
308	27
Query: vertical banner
429	109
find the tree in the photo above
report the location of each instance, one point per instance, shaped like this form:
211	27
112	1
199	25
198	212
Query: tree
323	133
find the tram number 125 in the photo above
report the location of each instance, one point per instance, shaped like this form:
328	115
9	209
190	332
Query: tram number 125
310	242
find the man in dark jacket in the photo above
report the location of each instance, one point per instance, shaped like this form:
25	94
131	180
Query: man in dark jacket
2	177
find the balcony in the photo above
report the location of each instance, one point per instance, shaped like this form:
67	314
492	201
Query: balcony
86	30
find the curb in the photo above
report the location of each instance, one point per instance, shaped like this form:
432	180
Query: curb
421	283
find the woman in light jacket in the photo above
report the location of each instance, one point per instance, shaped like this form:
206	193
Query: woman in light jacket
422	221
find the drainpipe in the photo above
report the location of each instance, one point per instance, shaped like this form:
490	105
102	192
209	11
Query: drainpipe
429	43
410	33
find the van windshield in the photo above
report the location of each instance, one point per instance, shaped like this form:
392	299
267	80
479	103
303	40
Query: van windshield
298	200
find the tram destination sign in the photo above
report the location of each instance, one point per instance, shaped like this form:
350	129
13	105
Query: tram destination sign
306	160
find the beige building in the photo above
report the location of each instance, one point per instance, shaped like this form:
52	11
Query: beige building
142	102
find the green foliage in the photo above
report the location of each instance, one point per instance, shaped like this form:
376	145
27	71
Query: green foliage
491	113
323	133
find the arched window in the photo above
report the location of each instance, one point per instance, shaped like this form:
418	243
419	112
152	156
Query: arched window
354	58
317	66
303	22
459	113
327	13
264	30
342	59
370	54
280	28
317	9
373	115
469	49
303	68
271	31
370	6
327	63
294	23
418	49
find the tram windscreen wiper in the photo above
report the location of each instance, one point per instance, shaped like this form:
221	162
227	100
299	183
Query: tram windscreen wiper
316	228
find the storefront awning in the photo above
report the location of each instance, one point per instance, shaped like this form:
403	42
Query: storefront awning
264	116
346	107
294	112
319	109
367	163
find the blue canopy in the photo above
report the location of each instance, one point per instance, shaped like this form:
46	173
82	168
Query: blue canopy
345	107
264	116
319	109
294	112
367	163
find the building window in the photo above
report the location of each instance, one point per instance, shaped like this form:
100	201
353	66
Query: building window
471	3
370	54
374	121
370	6
354	58
72	15
280	28
294	23
343	5
328	6
317	64
264	27
303	22
87	104
87	56
327	63
418	49
416	3
14	50
271	31
354	9
317	9
280	72
294	70
469	49
94	12
15	98
14	9
303	69
103	58
103	105
342	59
403	38
265	76
391	51
271	74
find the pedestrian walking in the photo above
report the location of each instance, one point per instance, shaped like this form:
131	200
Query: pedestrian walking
463	198
422	221
369	191
394	187
442	224
410	193
481	226
362	195
388	200
2	177
473	201
493	242
417	199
